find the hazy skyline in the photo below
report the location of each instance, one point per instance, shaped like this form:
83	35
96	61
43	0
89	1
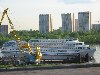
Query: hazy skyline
25	13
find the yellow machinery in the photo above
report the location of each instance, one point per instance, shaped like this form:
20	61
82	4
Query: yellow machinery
38	54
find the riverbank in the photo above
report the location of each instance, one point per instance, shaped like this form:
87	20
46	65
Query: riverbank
49	67
75	70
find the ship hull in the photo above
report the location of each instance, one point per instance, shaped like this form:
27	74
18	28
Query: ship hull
76	54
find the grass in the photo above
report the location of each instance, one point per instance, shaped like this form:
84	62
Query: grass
30	65
27	66
6	66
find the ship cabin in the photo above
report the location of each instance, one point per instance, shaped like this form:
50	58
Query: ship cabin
54	45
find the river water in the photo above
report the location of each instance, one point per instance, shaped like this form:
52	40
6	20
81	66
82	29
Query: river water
96	54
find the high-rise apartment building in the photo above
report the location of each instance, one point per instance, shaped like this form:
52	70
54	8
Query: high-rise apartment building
67	22
76	25
4	29
96	26
45	23
84	19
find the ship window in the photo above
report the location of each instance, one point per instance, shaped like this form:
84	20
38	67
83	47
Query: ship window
80	43
79	47
66	40
76	43
73	44
88	47
35	40
70	40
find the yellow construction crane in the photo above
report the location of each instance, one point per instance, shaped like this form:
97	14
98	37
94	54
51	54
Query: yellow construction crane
25	45
5	13
38	54
12	27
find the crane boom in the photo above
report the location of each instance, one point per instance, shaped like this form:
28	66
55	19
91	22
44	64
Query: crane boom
14	31
21	47
5	13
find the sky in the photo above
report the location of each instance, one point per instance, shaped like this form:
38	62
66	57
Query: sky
25	13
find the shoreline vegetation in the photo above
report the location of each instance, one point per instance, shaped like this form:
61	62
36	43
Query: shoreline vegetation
46	67
91	37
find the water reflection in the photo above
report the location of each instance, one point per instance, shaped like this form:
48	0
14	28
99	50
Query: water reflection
97	53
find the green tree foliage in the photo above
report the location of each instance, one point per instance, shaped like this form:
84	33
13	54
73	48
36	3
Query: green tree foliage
91	37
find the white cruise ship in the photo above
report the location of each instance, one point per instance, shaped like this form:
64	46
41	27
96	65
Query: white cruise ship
61	48
11	48
52	49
